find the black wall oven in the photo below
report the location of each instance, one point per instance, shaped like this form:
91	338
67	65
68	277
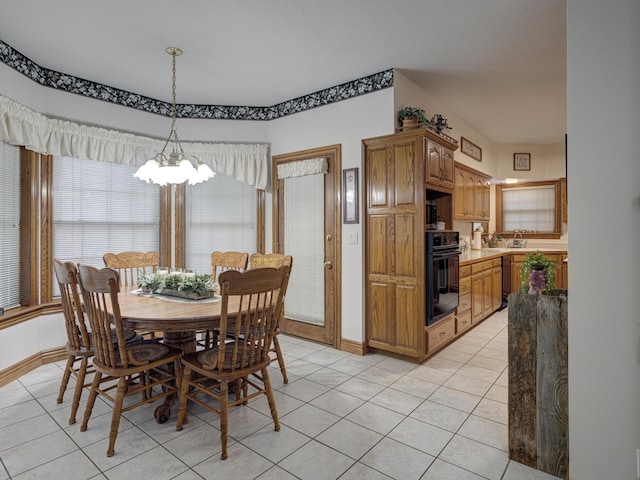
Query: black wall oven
442	272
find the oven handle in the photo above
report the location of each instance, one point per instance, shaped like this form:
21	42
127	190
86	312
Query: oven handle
441	255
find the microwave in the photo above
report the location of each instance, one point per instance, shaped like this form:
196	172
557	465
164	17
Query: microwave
432	215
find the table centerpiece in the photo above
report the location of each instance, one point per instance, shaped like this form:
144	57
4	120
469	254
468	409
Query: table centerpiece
188	285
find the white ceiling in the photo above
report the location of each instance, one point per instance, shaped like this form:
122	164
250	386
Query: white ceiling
499	64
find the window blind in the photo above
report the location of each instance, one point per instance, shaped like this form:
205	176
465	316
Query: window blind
221	214
529	208
9	225
100	207
304	240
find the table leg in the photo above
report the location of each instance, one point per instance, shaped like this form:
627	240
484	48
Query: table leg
185	341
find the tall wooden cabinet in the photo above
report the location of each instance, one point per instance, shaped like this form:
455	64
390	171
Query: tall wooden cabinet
399	170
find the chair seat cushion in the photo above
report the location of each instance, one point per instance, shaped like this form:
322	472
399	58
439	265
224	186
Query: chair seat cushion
130	335
209	359
147	350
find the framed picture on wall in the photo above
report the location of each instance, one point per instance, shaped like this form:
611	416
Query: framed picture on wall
521	161
350	205
469	148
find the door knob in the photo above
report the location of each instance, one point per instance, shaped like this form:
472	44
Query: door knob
328	265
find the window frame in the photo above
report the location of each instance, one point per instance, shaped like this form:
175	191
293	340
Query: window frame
36	235
557	222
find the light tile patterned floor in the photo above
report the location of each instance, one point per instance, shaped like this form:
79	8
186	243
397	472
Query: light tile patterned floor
342	416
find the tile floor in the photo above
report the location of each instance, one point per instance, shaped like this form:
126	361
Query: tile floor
342	416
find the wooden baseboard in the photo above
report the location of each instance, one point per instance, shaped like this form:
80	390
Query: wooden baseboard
351	346
36	360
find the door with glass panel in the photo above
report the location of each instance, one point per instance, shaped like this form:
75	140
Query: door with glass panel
306	215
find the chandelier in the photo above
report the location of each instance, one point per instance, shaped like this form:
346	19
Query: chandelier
177	167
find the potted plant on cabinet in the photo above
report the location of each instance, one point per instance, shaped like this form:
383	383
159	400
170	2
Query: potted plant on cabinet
538	274
411	117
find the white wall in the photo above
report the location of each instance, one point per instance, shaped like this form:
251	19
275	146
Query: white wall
408	93
345	123
547	161
604	221
27	338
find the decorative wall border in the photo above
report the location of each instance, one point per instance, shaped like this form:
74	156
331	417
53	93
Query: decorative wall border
68	83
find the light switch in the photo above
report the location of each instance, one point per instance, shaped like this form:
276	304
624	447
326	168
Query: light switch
352	238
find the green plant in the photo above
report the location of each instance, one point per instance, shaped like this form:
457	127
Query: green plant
183	282
537	261
412	112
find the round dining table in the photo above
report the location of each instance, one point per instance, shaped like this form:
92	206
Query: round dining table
177	320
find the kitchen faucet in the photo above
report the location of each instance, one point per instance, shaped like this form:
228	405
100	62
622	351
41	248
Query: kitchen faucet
518	243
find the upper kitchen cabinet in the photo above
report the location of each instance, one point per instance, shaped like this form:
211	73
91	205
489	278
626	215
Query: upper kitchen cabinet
439	165
471	195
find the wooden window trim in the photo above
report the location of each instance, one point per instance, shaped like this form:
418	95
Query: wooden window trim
36	235
556	234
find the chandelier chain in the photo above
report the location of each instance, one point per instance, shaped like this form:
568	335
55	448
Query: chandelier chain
176	167
174	110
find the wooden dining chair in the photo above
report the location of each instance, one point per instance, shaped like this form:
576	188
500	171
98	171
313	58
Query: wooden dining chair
251	305
221	262
257	260
148	366
78	345
131	266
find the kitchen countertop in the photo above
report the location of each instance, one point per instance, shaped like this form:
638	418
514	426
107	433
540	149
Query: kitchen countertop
471	256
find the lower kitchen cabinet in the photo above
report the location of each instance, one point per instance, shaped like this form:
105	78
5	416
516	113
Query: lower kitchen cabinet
441	333
513	265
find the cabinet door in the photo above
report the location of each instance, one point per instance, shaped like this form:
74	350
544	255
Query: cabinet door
516	267
477	297
395	316
459	194
433	173
477	198
486	200
447	168
403	190
378	177
469	195
559	271
488	293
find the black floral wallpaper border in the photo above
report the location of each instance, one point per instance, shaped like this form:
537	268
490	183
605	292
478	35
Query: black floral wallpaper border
87	88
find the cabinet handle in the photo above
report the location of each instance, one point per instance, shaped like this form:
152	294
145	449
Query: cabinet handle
442	334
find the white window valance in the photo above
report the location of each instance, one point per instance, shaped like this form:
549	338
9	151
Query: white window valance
20	125
299	168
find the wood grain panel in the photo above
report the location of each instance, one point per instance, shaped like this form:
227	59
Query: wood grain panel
463	321
378	245
552	424
441	333
407	329
378	314
404	174
377	177
522	379
433	163
405	245
46	227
